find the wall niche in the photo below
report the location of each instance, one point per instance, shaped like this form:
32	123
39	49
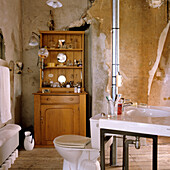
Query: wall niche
2	46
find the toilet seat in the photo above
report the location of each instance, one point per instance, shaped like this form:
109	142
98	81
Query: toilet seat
72	141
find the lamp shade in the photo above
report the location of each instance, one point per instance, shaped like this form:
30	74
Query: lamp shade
54	3
33	41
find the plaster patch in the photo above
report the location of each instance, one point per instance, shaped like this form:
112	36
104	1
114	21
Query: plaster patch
166	79
159	54
99	69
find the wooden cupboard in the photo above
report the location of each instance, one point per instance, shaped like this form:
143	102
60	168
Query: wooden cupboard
60	111
58	114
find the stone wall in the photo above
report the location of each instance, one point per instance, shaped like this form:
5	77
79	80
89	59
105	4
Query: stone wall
140	31
35	15
10	23
101	53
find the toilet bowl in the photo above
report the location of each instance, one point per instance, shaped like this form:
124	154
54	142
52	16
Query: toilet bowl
79	152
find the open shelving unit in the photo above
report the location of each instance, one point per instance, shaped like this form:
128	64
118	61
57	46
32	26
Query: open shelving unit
73	49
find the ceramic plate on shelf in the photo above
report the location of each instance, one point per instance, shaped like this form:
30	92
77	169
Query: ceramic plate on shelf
61	57
62	79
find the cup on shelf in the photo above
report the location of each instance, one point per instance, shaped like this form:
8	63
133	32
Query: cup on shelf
61	43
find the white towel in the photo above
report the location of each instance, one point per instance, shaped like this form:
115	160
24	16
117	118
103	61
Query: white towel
5	102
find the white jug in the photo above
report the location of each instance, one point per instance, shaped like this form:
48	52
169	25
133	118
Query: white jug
28	141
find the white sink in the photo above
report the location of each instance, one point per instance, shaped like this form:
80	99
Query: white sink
150	120
147	112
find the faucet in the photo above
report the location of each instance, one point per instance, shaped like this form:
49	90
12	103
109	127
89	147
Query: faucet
127	104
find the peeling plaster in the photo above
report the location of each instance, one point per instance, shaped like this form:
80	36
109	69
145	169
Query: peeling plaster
161	43
35	15
10	23
100	55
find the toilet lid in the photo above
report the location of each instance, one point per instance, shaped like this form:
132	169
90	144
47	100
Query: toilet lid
72	141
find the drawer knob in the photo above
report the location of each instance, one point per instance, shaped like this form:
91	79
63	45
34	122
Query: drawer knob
71	99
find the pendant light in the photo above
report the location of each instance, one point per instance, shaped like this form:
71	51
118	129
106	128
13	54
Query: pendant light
155	3
54	3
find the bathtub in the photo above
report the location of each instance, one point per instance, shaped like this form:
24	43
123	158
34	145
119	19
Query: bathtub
9	141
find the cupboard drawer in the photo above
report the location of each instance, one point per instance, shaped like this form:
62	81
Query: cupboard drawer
59	99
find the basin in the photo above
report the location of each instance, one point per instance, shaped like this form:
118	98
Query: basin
148	120
147	112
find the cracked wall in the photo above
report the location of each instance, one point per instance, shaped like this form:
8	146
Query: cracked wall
160	91
101	56
35	15
140	29
10	23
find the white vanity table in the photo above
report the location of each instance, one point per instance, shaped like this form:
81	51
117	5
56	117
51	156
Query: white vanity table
147	122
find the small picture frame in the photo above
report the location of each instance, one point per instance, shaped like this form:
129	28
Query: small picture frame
45	90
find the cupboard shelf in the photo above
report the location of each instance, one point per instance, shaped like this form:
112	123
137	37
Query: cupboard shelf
63	49
63	67
72	73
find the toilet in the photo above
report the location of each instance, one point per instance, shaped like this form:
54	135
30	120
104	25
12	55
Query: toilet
79	152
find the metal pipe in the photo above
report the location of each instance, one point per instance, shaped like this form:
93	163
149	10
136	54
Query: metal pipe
113	152
115	45
115	65
136	142
126	161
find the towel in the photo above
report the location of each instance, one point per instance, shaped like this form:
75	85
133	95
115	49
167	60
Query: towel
5	102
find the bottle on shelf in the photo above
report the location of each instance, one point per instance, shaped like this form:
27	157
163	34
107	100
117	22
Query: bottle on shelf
79	89
51	22
75	89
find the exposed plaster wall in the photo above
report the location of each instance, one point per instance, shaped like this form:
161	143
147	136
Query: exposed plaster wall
160	88
35	15
10	23
161	43
101	14
140	30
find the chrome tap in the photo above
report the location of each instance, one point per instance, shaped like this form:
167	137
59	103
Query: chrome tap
127	104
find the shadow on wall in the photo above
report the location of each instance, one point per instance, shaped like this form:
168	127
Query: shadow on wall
18	110
2	46
88	83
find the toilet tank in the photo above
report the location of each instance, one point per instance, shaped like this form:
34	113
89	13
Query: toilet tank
95	131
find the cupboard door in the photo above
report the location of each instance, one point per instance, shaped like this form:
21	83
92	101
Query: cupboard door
59	120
